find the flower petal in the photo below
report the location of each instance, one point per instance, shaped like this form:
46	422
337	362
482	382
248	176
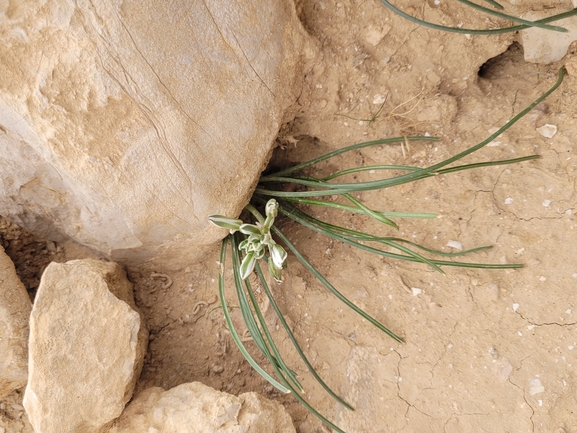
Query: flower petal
249	229
278	255
275	272
232	224
247	265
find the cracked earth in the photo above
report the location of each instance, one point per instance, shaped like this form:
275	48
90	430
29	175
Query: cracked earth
485	350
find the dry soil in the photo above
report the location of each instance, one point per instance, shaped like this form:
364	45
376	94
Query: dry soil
485	350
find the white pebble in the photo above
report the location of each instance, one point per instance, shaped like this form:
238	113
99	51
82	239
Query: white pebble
379	98
547	130
455	244
546	203
515	307
508	200
535	386
416	291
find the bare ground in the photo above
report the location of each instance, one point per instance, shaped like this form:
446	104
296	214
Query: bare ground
485	350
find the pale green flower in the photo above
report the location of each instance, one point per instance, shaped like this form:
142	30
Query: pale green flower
259	239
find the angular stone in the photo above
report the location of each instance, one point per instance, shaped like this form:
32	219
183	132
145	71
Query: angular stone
124	125
197	408
15	307
545	46
87	345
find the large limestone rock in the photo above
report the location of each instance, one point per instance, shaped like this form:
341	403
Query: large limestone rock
124	124
197	408
15	307
87	344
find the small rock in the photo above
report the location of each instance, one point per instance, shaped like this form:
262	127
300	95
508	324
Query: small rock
416	291
545	46
374	35
455	244
15	307
547	130
87	344
379	98
535	386
197	408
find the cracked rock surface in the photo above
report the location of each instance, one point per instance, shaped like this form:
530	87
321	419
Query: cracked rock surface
123	125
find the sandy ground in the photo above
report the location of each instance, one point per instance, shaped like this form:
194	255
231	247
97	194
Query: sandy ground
485	350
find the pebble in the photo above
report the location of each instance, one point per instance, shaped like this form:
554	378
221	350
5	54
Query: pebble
535	386
455	244
547	130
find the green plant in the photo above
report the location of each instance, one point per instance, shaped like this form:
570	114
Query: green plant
250	242
523	24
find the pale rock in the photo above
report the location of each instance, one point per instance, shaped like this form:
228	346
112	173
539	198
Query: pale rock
535	386
197	408
455	244
87	345
125	124
547	130
546	46
15	307
374	35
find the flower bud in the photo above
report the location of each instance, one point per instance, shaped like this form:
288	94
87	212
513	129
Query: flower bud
275	272
271	208
277	254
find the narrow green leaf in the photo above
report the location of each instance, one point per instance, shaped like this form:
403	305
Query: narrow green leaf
369	168
349	149
294	341
232	329
257	338
249	207
495	4
331	288
225	222
355	209
375	215
512	18
304	219
243	303
343	188
263	326
475	31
